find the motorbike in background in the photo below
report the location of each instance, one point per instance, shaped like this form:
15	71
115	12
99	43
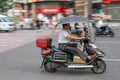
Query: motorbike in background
108	32
98	31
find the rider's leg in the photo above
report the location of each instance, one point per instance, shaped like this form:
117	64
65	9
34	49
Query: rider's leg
102	29
76	51
107	29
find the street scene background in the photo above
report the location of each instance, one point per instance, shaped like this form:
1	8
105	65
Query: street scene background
23	21
23	62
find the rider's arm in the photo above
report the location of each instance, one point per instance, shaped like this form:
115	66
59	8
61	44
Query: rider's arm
75	37
102	24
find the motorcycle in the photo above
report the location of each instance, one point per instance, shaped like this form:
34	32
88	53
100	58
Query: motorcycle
109	31
54	58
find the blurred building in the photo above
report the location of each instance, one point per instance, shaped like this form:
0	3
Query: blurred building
87	7
97	6
80	7
48	8
52	7
112	7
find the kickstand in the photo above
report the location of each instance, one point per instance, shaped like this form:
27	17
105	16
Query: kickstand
41	67
42	64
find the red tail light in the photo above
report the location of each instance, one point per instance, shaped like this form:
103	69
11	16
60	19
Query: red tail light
46	52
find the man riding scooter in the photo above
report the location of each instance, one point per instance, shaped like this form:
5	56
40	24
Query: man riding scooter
101	25
102	28
80	53
64	43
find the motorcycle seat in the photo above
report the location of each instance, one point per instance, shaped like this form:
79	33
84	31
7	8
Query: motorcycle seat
55	49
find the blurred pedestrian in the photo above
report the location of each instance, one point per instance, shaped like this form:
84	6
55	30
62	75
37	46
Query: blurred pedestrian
20	17
90	17
37	23
46	22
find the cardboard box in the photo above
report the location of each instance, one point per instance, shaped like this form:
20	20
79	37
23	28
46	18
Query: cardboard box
77	59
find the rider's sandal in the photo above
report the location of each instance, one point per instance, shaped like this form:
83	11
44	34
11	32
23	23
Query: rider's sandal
90	58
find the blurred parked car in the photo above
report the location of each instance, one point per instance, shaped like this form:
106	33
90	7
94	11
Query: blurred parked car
6	24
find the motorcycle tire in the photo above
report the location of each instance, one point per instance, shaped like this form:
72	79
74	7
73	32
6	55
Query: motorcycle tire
49	67
97	34
99	66
112	34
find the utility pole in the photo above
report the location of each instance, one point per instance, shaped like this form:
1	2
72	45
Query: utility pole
89	5
33	10
83	7
79	7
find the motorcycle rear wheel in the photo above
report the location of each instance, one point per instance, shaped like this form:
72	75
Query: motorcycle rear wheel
99	66
49	67
97	34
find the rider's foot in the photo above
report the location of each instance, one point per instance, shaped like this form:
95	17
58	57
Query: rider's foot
91	57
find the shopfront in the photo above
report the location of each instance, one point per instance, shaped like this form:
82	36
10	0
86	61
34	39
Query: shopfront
96	6
112	7
47	7
55	7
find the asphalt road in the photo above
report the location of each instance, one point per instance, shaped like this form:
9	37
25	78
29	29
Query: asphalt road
10	40
23	63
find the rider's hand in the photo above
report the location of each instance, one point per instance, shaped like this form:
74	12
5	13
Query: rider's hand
83	38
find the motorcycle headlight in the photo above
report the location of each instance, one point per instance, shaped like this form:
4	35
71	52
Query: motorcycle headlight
101	53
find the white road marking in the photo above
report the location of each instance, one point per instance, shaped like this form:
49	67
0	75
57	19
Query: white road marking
110	42
3	45
13	40
7	42
115	60
10	40
18	37
117	35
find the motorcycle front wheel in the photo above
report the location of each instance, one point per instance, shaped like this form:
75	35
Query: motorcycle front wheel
49	67
112	34
99	66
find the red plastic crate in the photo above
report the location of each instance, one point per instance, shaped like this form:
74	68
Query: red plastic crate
43	42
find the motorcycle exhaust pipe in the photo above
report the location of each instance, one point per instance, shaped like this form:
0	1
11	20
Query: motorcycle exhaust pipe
80	66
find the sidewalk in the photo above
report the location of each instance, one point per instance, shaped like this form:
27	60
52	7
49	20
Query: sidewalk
114	25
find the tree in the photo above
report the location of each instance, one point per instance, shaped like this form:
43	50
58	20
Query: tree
3	3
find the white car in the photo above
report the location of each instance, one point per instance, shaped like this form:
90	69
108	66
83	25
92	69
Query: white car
6	24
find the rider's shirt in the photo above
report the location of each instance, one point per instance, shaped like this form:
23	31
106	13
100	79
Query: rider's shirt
100	24
63	37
